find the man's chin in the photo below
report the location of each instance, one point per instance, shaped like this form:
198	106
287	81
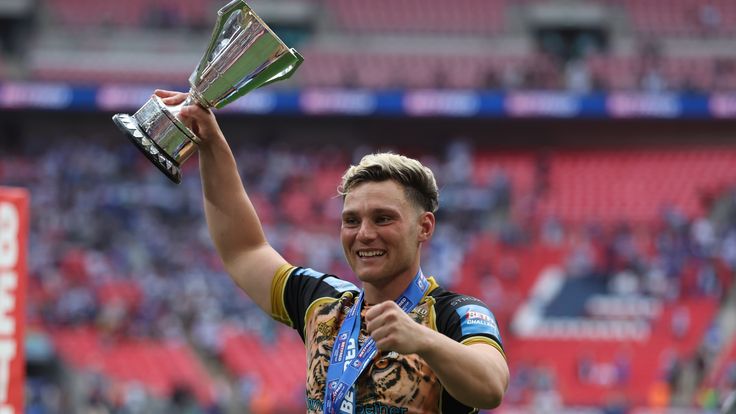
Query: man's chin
368	275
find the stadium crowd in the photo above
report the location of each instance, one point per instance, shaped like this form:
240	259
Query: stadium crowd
117	247
632	46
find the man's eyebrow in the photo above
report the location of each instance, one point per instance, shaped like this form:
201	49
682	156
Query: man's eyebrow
384	210
378	210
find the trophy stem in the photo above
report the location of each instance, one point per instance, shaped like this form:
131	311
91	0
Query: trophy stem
196	98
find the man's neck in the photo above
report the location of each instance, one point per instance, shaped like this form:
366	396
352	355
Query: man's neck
377	293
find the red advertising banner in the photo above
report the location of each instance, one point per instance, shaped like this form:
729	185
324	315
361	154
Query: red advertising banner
14	224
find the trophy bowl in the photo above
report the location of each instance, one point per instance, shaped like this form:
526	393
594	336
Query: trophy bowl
243	54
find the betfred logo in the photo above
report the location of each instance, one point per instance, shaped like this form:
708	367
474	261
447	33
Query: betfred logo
475	315
477	320
339	353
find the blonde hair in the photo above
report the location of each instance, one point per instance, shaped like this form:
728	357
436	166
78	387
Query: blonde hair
417	180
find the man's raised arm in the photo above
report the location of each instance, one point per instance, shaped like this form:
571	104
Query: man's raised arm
231	218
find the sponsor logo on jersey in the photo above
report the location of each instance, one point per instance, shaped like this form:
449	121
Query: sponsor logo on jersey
314	404
477	320
474	317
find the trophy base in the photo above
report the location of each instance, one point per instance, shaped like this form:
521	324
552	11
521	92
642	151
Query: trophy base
129	126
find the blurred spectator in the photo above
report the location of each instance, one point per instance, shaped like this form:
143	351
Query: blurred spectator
546	398
581	261
577	77
680	322
723	69
652	80
659	395
513	78
704	237
182	401
709	18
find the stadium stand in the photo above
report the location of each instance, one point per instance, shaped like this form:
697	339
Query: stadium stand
590	370
723	375
161	367
677	73
644	183
272	370
466	45
681	18
389	71
606	268
162	13
415	16
107	306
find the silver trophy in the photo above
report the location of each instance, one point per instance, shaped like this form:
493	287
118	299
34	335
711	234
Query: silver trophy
243	54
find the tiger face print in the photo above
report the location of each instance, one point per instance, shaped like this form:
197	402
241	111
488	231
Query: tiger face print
392	380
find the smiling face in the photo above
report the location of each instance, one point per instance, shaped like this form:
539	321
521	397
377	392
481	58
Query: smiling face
382	232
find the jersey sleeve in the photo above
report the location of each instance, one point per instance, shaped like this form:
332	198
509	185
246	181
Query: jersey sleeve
294	289
468	320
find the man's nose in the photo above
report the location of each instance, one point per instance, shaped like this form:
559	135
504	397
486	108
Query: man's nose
367	231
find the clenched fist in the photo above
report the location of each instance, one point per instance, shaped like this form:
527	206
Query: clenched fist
394	330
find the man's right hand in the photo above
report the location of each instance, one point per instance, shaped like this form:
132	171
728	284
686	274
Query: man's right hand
200	120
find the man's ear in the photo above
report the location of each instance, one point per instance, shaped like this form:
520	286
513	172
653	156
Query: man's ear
426	224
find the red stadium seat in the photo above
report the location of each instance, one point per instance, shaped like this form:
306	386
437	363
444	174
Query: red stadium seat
280	365
160	366
463	16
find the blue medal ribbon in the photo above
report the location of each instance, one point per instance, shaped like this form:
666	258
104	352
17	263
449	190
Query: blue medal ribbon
347	362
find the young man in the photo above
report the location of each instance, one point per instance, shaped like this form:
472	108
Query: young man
401	344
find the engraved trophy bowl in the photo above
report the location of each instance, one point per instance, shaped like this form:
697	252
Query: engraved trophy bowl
243	54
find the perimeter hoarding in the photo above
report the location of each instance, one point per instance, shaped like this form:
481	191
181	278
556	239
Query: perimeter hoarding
14	225
460	103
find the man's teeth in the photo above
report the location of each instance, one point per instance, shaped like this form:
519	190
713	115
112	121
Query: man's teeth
370	254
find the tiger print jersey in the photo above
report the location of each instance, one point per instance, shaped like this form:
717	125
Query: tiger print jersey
315	304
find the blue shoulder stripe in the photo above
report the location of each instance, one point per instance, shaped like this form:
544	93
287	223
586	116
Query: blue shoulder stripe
338	284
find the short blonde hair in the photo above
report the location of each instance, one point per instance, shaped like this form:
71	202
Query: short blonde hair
417	180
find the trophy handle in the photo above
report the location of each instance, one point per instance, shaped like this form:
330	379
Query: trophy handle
222	17
281	69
